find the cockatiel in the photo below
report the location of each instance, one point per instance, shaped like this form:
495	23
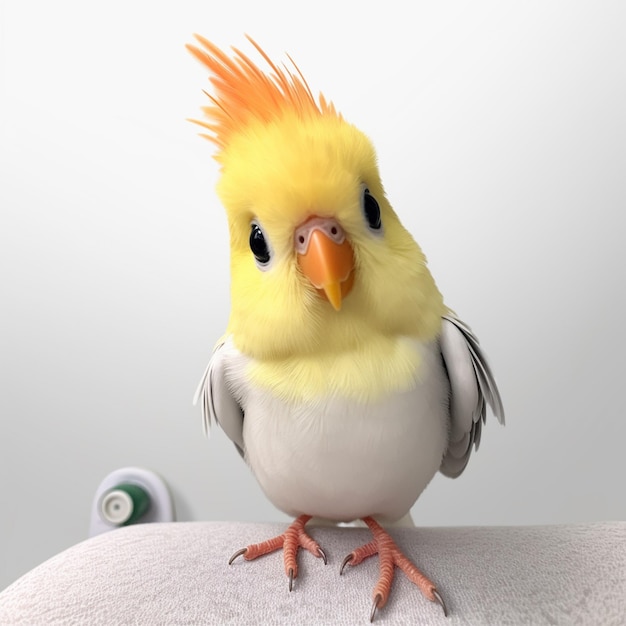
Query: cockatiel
343	379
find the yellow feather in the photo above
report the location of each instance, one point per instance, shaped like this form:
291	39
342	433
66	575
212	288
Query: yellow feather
378	366
278	170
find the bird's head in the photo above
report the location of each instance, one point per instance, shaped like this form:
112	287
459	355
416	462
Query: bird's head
319	259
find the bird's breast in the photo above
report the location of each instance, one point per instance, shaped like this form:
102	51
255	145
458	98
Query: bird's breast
341	457
363	373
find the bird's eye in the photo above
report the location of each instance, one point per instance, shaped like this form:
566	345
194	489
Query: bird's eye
371	210
258	245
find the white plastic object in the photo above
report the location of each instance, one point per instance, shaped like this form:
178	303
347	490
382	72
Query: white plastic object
112	507
116	507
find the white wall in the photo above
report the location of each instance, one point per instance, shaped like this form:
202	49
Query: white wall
501	135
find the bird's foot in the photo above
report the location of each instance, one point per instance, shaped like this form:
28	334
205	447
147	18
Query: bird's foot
293	538
390	556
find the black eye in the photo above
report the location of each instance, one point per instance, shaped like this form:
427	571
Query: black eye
258	245
371	210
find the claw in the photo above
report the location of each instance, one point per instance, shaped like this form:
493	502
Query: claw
377	599
440	601
237	554
322	555
345	562
290	578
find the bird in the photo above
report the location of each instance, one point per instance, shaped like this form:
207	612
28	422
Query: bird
343	379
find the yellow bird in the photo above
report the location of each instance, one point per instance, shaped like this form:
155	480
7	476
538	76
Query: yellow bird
343	379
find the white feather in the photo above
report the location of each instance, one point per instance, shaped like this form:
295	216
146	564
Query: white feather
338	459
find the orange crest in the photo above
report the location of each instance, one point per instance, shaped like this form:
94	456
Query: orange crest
244	93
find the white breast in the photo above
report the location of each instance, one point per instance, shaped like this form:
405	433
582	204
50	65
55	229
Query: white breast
342	460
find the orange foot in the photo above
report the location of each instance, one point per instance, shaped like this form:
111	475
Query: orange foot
293	538
389	556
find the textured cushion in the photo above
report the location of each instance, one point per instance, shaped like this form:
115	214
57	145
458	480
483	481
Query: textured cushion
178	573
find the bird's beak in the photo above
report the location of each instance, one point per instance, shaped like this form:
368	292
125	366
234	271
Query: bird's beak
326	258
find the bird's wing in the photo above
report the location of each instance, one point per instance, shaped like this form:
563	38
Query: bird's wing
218	402
472	388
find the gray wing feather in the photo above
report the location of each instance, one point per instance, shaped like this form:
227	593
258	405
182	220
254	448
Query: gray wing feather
472	388
218	402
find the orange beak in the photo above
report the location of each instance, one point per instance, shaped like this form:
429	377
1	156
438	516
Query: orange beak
326	258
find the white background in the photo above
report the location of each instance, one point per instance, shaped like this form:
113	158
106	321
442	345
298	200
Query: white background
501	134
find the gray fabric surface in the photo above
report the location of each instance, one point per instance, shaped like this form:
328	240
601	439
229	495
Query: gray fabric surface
178	573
